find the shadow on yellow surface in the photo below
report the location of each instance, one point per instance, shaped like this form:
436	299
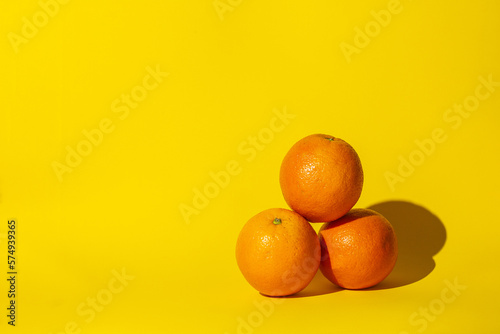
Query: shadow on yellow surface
421	235
320	285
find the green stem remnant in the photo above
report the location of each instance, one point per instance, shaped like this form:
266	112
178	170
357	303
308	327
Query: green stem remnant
276	221
330	138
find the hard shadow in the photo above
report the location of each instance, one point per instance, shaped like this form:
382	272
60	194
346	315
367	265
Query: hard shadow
420	234
319	285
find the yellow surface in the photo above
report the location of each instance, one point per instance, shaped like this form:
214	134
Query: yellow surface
102	245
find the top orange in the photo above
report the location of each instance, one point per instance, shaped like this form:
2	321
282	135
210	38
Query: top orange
321	177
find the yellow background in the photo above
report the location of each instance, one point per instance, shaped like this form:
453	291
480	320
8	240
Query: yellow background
119	208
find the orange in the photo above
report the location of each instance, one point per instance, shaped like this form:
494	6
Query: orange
321	178
358	250
278	252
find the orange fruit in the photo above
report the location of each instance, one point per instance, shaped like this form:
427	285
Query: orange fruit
358	250
278	252
321	178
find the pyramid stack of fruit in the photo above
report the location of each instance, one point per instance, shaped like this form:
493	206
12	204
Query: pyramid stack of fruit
279	252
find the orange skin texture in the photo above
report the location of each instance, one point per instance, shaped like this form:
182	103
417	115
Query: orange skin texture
358	250
278	259
321	178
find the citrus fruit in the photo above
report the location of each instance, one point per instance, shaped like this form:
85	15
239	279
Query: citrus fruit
358	250
321	178
278	252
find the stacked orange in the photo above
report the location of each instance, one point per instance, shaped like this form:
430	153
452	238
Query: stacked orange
278	251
